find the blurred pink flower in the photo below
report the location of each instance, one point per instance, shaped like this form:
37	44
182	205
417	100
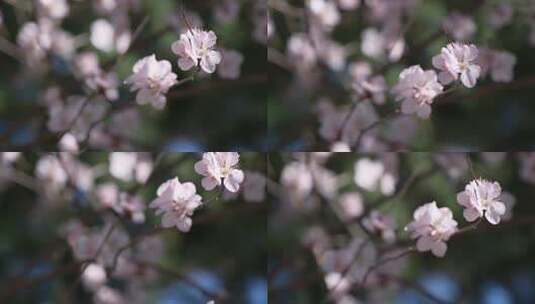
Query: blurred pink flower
196	47
459	26
432	226
230	66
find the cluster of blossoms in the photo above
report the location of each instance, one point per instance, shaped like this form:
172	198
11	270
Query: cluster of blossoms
433	226
112	189
381	48
92	120
177	201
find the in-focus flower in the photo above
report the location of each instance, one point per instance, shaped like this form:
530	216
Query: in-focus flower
482	198
416	89
177	202
220	168
432	226
457	59
152	79
196	47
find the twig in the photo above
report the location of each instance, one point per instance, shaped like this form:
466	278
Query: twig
384	261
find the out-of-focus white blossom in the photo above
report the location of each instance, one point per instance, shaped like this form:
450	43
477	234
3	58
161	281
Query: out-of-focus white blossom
348	4
416	89
109	37
433	227
54	9
177	202
372	175
325	12
482	198
49	170
94	276
152	79
127	166
196	48
220	168
382	224
301	51
458	60
68	143
297	178
352	204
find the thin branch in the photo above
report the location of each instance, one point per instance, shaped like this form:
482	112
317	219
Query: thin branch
184	278
383	262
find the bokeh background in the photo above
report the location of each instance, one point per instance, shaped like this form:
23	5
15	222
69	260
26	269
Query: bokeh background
207	113
490	117
490	264
224	252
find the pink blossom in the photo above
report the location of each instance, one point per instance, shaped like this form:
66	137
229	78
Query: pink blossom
68	143
352	204
373	43
325	12
196	47
108	37
459	26
94	276
50	170
297	178
36	39
372	88
527	168
348	4
377	222
152	79
372	175
230	66
482	198
417	89
55	9
432	226
128	166
456	60
220	168
301	51
177	202
499	64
